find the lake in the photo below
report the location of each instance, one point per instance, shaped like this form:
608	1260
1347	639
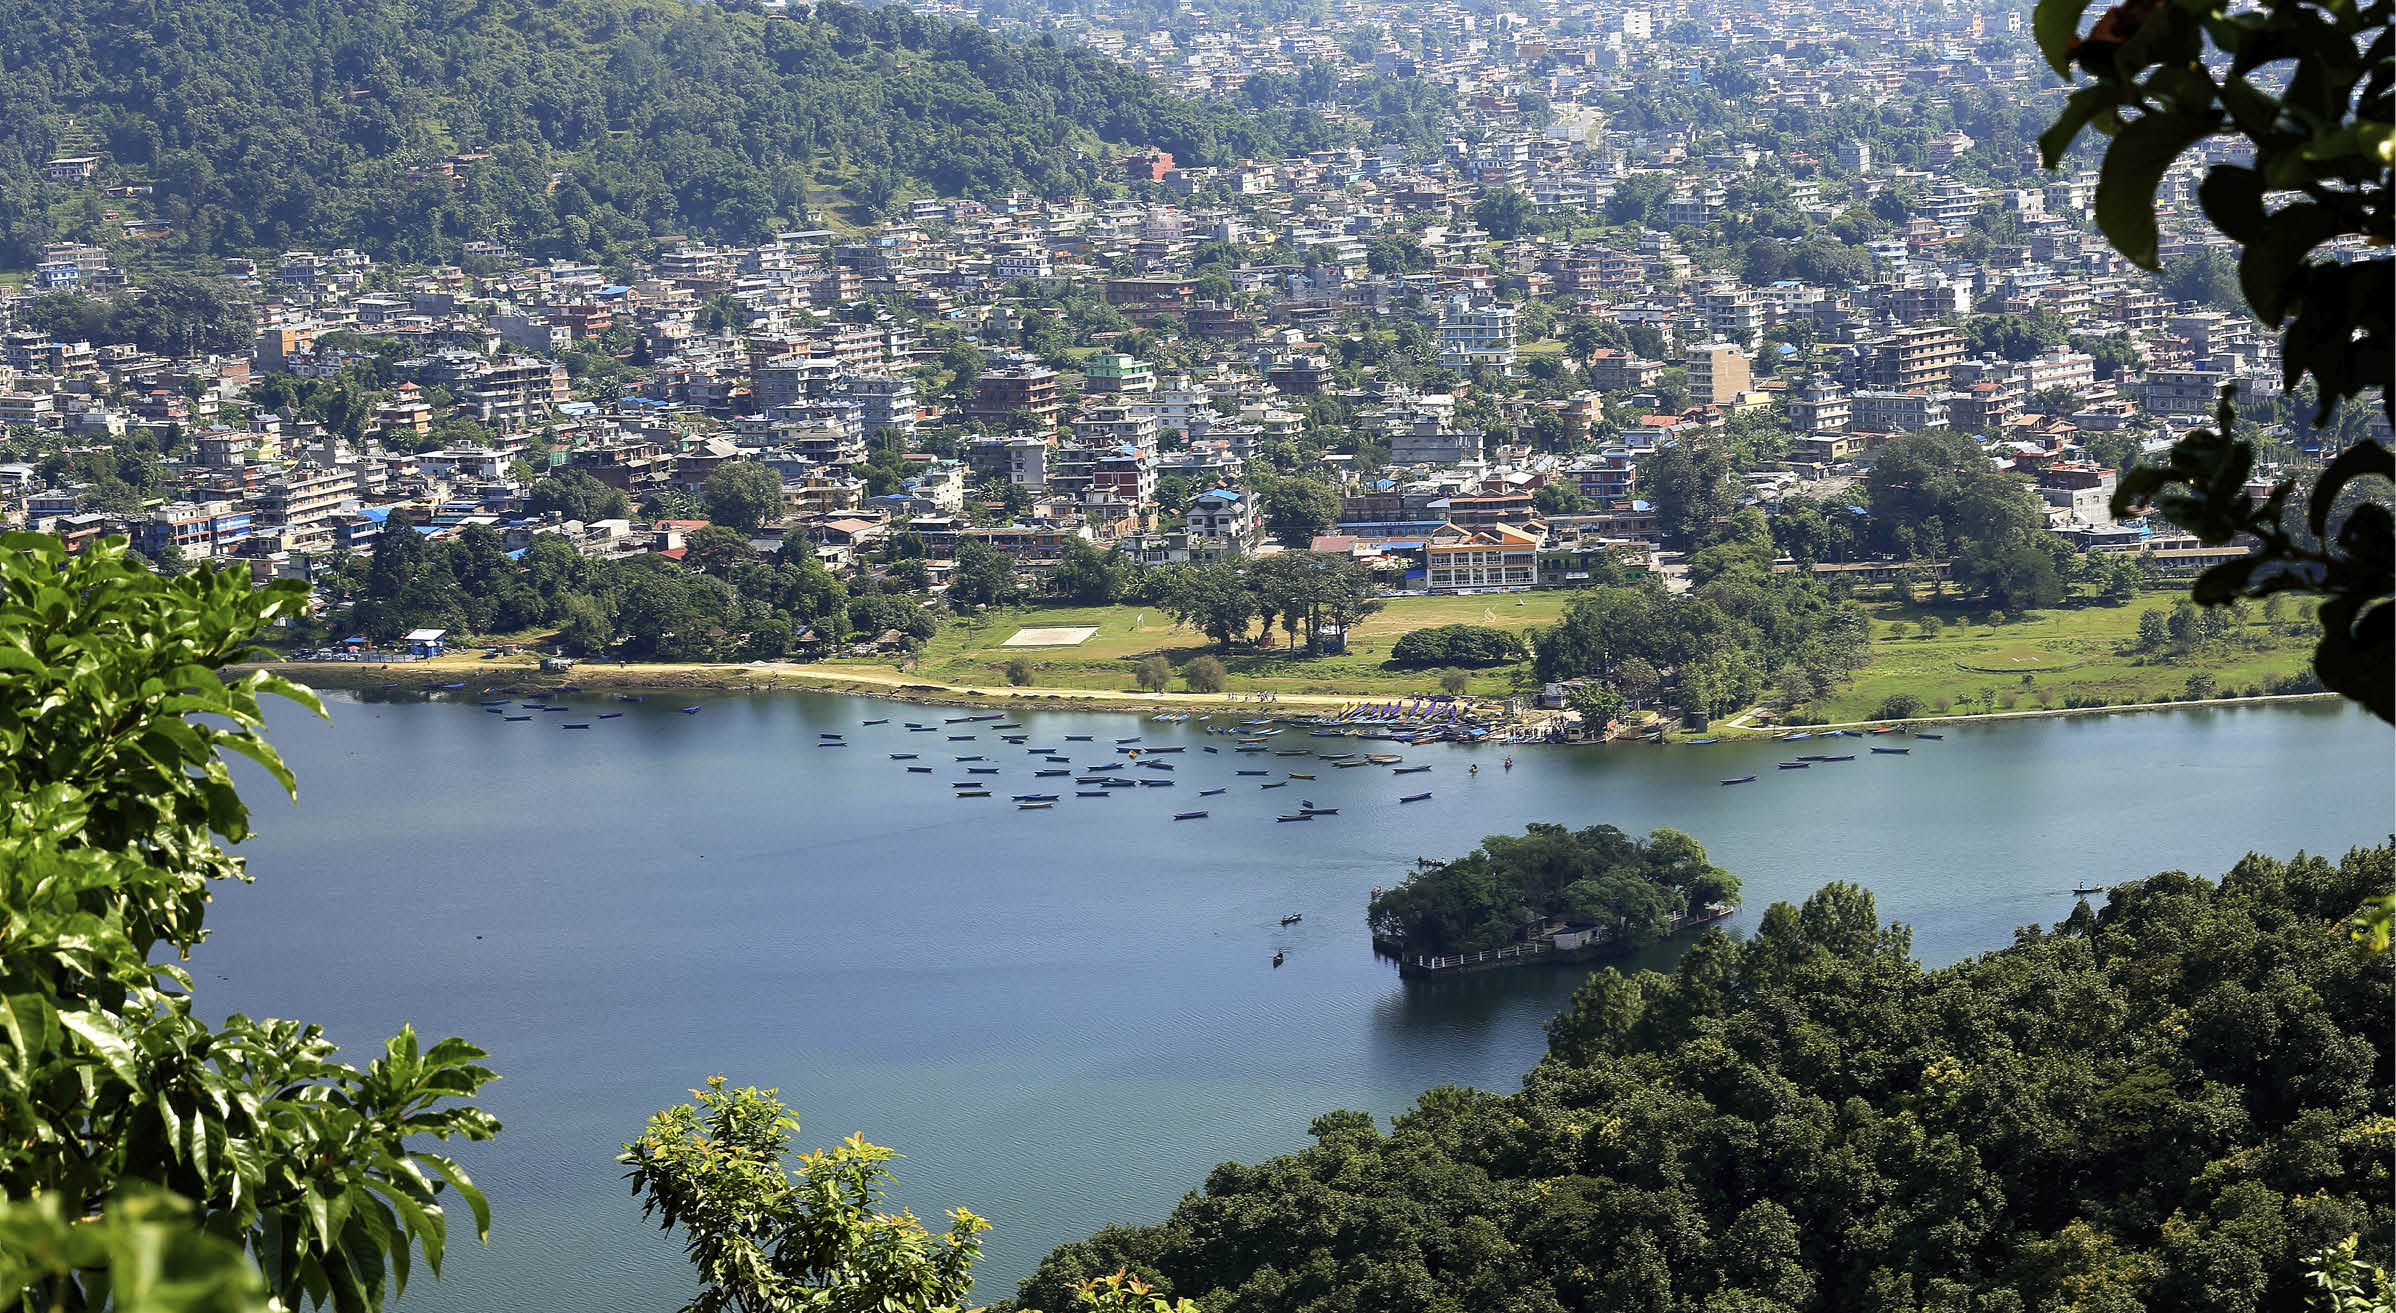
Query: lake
1065	1018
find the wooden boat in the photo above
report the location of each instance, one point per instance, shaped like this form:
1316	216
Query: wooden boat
1060	761
1699	743
1743	779
529	697
1089	779
1035	797
562	688
1049	774
975	757
923	729
1009	725
828	743
1210	748
1886	729
995	715
1410	770
519	718
611	715
1189	816
1919	735
1277	960
1209	793
1173	749
1796	765
1153	765
1295	816
919	770
496	711
580	724
828	735
1256	772
1293	918
1033	806
494	702
1337	756
1345	765
690	711
1133	739
960	738
1291	752
1090	793
1320	811
1277	784
973	793
1383	758
1415	797
1250	747
1300	775
1156	784
1079	738
915	724
1892	752
981	770
883	721
902	756
1849	757
2078	890
956	720
629	697
1122	784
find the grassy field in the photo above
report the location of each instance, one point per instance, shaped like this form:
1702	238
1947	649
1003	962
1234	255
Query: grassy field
2049	658
968	651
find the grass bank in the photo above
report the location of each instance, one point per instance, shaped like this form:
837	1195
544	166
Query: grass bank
2049	660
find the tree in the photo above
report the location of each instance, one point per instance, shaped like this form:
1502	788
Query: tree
1297	511
1156	673
1454	681
1690	489
2153	631
743	494
1213	599
574	495
1501	212
1204	675
2319	133
765	1238
1559	499
985	576
1019	671
1086	575
1597	703
1395	254
143	1142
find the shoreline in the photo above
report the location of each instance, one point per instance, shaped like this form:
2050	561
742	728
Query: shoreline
736	677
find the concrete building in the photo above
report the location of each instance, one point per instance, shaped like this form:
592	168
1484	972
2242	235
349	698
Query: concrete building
1473	336
1719	372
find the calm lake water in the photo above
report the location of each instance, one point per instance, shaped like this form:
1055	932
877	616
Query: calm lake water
1065	1018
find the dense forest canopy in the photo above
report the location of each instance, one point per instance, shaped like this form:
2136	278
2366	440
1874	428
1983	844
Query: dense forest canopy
2169	1103
1598	876
297	122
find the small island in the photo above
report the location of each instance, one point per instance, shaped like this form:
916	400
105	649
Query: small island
1551	894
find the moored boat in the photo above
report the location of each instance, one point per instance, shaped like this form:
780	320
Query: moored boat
1743	779
1892	752
1033	806
1415	797
1410	770
1295	816
1189	816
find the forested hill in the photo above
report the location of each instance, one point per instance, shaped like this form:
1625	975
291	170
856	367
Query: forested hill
2171	1103
263	124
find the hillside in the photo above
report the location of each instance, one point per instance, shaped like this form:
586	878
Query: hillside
2167	1103
605	122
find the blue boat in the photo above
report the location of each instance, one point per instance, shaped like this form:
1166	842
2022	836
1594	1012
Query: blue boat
495	702
1046	774
1189	816
1122	784
611	715
1277	784
1699	743
628	697
1919	735
1209	793
883	721
1134	739
923	729
1319	811
1061	761
1154	765
1256	772
1408	770
919	770
902	756
1415	797
829	735
960	738
1295	816
976	757
562	688
1034	806
1743	779
496	711
1090	793
973	793
578	725
1035	797
981	770
1079	738
1849	757
690	711
831	744
1156	784
1796	765
1892	752
519	718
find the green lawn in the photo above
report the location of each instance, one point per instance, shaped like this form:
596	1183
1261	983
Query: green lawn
967	651
2048	658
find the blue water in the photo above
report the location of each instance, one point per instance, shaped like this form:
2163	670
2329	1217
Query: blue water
1065	1018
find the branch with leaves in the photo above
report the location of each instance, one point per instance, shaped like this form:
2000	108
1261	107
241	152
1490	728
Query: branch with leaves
2308	84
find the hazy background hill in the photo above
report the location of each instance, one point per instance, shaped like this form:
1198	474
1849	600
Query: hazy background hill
329	122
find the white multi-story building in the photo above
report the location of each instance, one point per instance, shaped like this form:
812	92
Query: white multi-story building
1471	336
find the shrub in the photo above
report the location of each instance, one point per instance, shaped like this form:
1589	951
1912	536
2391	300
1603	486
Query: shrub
1156	673
1455	681
1457	645
1204	675
1019	671
1898	706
